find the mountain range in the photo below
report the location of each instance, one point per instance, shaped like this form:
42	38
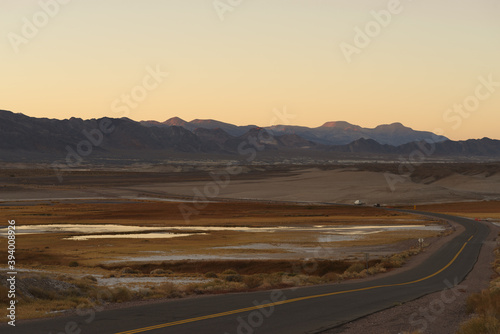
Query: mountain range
330	133
29	139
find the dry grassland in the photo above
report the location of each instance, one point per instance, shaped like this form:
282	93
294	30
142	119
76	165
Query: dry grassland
71	262
481	210
53	249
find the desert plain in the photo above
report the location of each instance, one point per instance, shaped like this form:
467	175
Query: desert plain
104	235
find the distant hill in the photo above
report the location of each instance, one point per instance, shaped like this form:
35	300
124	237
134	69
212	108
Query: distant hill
23	133
338	133
231	129
484	147
330	133
30	139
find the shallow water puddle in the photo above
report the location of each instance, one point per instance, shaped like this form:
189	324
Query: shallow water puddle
326	233
132	236
81	228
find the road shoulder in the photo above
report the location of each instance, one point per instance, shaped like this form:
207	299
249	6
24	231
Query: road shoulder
434	313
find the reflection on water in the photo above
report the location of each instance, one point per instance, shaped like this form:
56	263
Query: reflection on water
326	233
81	228
330	237
115	228
383	227
132	236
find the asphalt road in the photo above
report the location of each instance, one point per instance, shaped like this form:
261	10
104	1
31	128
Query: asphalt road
300	310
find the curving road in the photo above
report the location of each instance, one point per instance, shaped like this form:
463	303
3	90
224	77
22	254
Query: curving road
300	310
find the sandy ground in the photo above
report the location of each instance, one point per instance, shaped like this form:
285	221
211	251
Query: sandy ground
341	185
410	316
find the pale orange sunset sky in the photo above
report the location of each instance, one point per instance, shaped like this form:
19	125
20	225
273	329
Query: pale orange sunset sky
240	62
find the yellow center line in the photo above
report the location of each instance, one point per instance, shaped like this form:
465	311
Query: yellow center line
241	310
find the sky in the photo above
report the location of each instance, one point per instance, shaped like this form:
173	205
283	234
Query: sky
431	65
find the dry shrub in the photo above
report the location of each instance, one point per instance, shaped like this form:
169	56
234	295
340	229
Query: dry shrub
101	295
481	325
486	303
320	267
158	272
90	278
43	293
293	280
215	286
486	306
233	278
253	281
145	293
120	294
265	285
168	289
273	280
128	270
243	267
231	275
332	277
229	272
379	268
282	280
313	280
356	267
210	274
84	284
397	260
351	275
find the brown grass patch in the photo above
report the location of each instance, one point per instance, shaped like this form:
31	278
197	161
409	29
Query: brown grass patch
52	250
483	207
244	267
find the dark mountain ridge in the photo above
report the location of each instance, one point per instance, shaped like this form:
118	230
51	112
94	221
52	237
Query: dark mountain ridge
29	138
330	133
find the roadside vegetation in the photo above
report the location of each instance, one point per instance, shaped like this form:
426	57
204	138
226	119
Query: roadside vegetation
41	295
484	307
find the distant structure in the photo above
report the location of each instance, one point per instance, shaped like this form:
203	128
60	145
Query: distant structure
358	202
